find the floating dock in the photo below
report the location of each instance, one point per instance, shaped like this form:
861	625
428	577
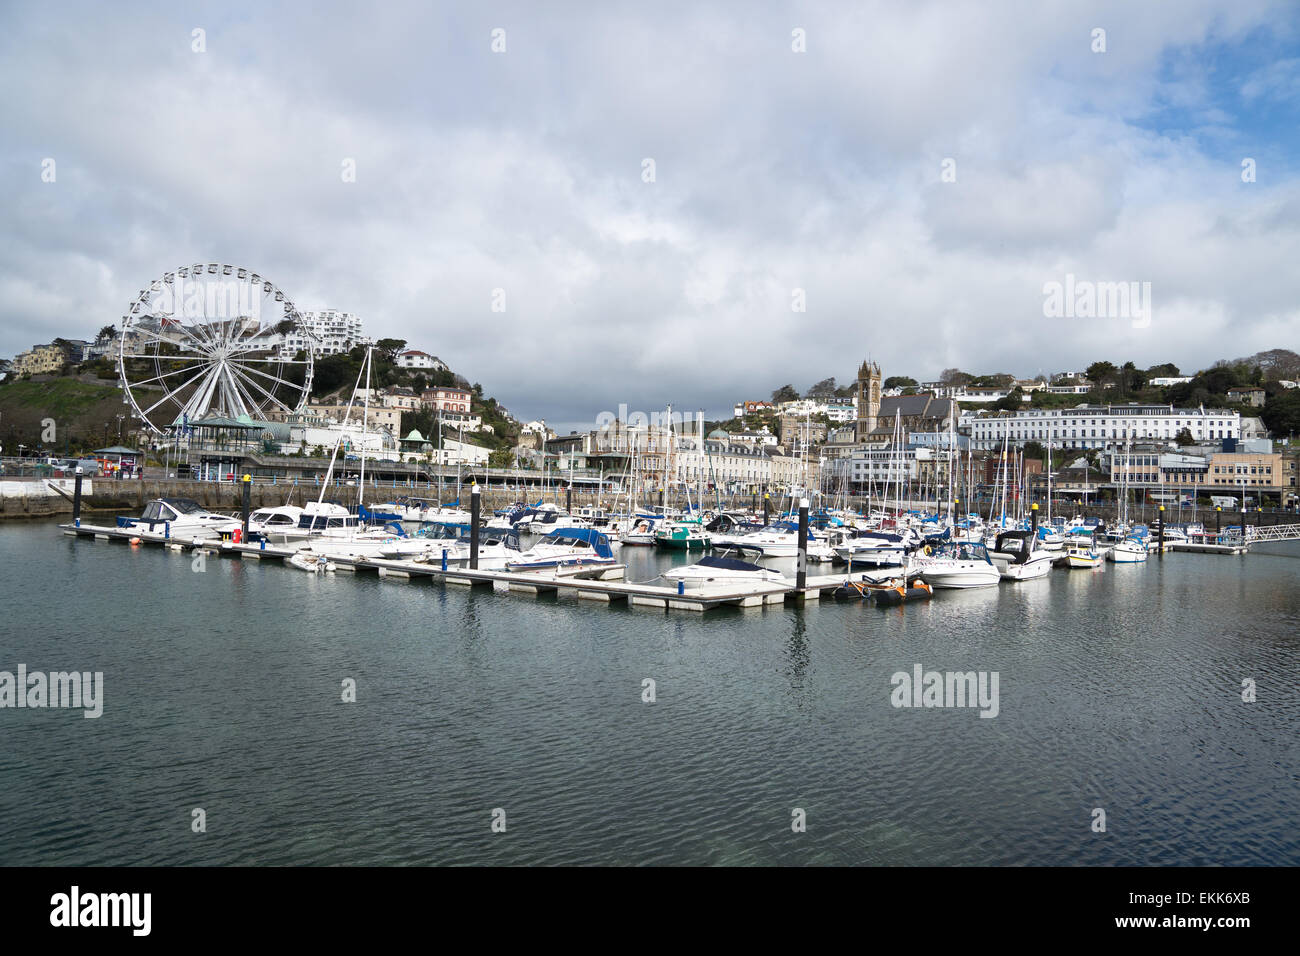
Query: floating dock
604	583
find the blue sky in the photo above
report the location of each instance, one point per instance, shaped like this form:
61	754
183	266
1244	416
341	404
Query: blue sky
776	171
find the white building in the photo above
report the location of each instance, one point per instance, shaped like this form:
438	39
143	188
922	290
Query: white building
414	358
329	332
1166	380
1098	426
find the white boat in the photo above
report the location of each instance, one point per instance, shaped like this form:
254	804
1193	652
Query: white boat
309	561
778	540
181	518
957	565
1128	551
274	521
876	548
1017	557
712	569
1082	556
640	533
567	548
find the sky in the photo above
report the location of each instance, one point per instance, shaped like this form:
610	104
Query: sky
831	182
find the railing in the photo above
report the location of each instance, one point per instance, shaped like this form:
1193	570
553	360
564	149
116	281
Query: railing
1277	532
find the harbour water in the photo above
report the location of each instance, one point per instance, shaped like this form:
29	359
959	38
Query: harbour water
1120	689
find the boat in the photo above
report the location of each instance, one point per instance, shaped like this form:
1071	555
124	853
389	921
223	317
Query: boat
313	562
496	547
268	522
778	540
181	518
567	548
1131	550
958	564
1018	557
713	569
641	532
876	548
683	535
1080	555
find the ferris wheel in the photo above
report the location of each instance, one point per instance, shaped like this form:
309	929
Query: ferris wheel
212	340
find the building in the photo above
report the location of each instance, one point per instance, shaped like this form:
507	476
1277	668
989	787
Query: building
1251	395
335	412
841	412
40	360
752	408
1252	471
414	358
399	396
1098	426
868	400
797	432
448	404
1164	381
328	333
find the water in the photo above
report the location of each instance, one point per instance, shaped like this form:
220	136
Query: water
1119	689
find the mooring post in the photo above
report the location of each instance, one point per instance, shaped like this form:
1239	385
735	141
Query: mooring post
76	500
1218	517
473	526
248	491
1160	531
801	577
767	509
1033	520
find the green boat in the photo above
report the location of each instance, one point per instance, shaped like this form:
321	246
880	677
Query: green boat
683	535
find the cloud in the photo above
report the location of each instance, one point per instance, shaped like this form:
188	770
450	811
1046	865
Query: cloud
775	171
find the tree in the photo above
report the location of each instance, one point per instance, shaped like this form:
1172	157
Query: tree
900	381
785	393
501	458
389	348
1011	402
1167	370
106	334
955	376
1102	374
1184	437
1281	414
822	390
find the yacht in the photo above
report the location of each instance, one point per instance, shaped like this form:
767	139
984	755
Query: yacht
641	531
1018	557
713	569
959	564
181	518
564	549
1131	550
269	521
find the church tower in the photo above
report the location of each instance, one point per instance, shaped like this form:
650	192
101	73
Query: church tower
868	400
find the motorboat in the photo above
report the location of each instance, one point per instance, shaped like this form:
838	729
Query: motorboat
641	531
568	548
682	535
496	547
181	518
876	548
1018	557
957	564
713	569
268	522
778	540
1080	555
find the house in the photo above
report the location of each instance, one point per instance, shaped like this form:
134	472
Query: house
414	358
1251	395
